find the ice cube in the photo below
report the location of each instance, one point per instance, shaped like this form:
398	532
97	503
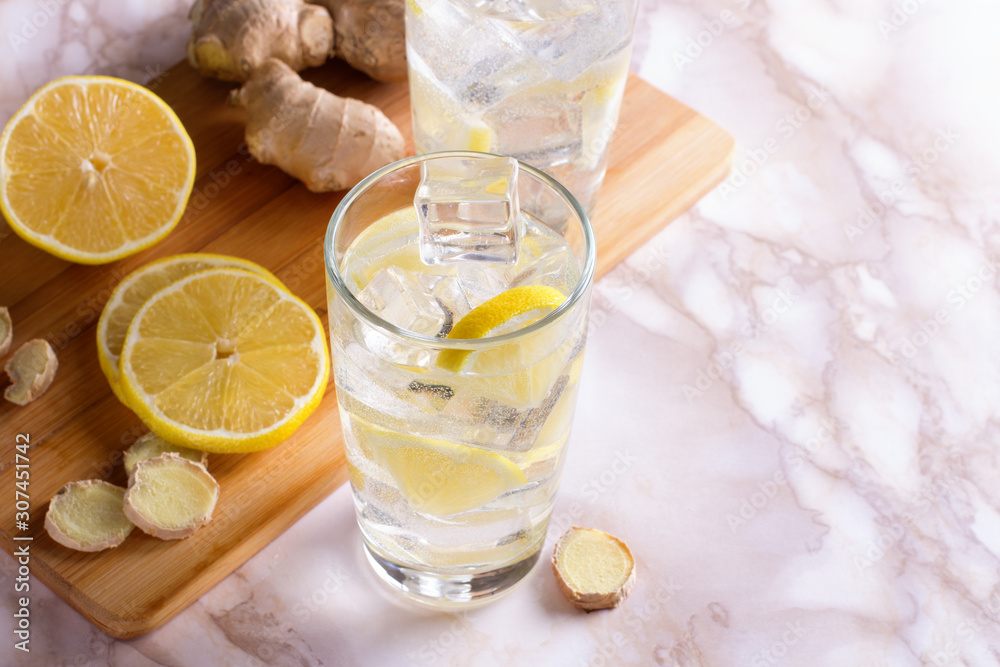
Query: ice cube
535	418
389	349
566	48
499	426
546	260
486	48
431	398
387	401
554	269
468	210
490	423
495	80
527	10
448	292
544	130
400	298
479	284
501	417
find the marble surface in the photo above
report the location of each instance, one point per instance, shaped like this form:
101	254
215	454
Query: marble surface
790	394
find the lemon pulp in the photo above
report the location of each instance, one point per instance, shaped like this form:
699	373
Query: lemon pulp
94	169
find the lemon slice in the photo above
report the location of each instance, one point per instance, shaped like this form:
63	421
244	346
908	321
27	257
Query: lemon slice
389	241
129	295
508	311
224	361
94	169
440	122
441	478
479	138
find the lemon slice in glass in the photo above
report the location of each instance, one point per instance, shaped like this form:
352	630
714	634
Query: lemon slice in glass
437	477
224	361
508	311
520	373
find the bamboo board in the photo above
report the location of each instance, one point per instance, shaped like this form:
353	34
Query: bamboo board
664	157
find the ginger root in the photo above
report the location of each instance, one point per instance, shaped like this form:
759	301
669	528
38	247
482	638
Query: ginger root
231	38
326	141
170	497
594	570
6	331
151	445
31	369
88	516
370	35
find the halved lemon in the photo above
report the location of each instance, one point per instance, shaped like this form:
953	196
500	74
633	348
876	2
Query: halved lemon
437	477
132	292
94	168
224	360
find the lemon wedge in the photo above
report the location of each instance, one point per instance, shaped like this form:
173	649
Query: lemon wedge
132	292
225	361
437	477
94	168
508	311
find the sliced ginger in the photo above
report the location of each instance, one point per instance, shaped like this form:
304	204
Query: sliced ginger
6	330
170	497
151	445
594	570
31	369
326	141
88	516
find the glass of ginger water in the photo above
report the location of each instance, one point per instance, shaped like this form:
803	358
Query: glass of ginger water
459	289
539	80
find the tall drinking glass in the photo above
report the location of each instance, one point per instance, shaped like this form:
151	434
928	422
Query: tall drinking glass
455	445
538	80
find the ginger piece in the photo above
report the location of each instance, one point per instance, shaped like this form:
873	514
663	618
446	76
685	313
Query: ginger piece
88	516
370	35
594	570
325	141
6	330
31	369
231	38
151	445
170	497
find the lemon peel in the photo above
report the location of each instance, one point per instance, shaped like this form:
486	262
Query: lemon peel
491	315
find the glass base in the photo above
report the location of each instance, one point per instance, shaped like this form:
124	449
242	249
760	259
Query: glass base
450	591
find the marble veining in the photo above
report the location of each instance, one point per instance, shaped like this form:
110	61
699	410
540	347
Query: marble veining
790	394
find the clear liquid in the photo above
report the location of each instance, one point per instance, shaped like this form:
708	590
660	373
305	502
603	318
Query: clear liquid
454	472
546	91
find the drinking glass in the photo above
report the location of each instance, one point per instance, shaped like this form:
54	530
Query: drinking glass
454	445
539	80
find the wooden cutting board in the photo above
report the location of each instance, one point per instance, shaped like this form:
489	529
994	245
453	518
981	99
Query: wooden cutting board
664	157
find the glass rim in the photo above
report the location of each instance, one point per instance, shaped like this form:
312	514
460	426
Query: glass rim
361	311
